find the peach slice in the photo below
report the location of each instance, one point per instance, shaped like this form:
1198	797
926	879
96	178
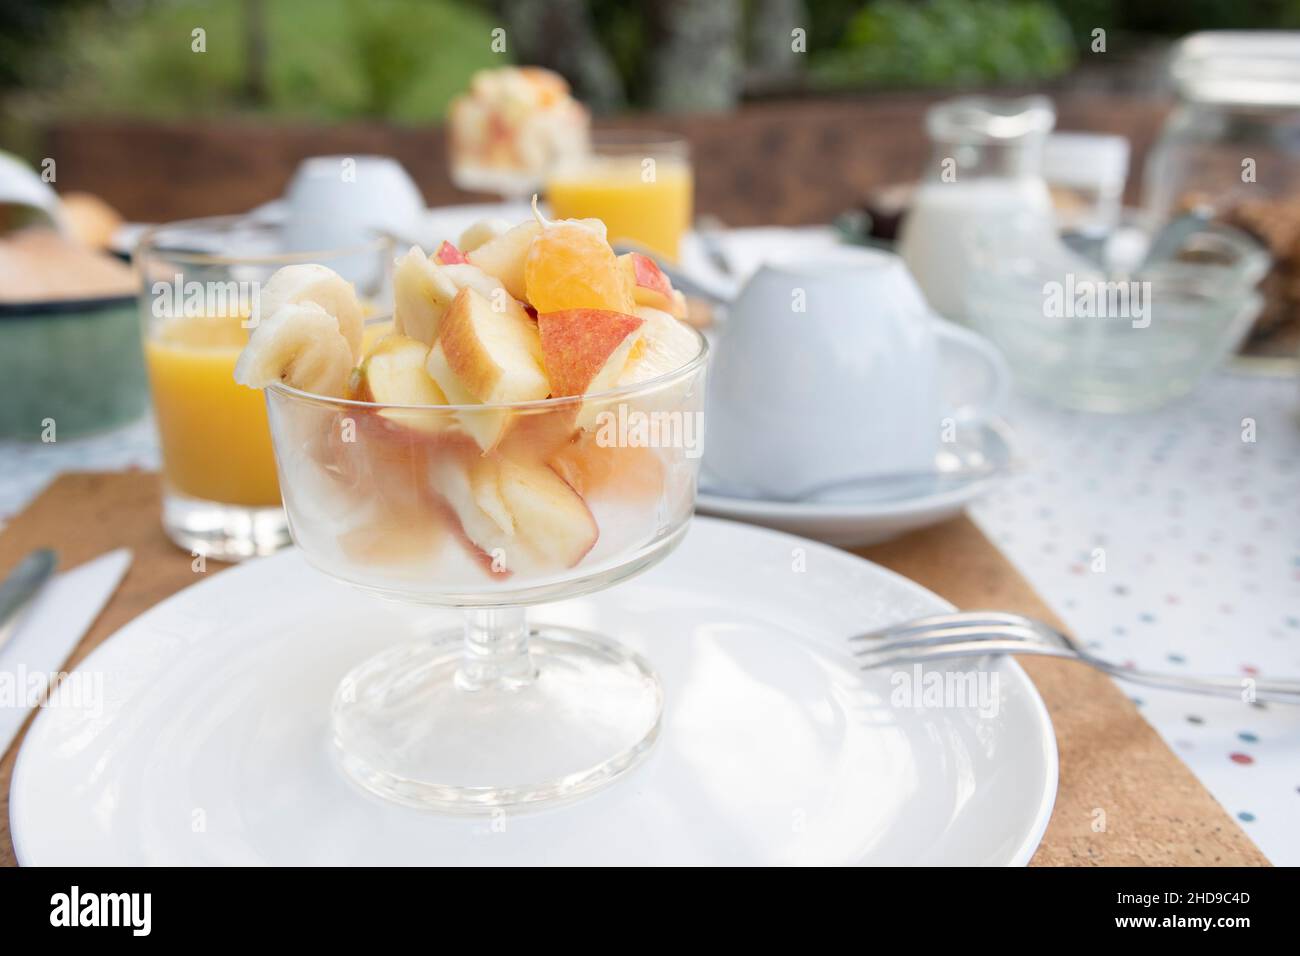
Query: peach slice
650	287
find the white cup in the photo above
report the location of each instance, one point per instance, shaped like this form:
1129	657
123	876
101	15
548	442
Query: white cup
334	202
834	368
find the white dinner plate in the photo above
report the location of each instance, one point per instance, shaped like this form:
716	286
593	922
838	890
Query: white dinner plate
209	743
983	448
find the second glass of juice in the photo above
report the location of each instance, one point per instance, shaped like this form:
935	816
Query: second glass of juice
640	184
201	281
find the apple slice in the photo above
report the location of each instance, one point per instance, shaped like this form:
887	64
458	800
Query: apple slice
421	294
486	357
551	519
598	471
585	350
396	540
523	517
466	276
497	356
481	232
423	291
650	287
503	256
449	255
468	486
394	374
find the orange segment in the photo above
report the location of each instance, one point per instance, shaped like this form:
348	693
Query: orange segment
571	267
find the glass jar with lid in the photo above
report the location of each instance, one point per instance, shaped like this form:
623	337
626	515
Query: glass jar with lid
1230	150
985	164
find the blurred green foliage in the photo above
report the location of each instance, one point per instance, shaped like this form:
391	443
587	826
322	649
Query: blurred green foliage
1176	17
948	43
403	60
400	60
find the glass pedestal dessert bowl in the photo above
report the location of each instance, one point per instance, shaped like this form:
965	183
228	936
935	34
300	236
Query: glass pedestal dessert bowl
401	500
491	452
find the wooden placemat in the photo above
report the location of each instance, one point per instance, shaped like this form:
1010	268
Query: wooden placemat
1115	769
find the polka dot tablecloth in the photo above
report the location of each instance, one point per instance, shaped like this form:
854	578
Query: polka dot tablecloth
1171	541
1164	539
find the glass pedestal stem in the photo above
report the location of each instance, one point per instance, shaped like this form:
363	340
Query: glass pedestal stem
496	650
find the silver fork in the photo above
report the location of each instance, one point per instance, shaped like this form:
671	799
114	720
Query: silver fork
976	633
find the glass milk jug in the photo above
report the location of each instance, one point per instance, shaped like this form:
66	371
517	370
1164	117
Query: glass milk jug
985	166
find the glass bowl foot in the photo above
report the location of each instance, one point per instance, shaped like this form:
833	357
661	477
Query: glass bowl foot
460	725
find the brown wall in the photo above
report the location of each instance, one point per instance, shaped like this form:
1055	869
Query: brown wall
791	162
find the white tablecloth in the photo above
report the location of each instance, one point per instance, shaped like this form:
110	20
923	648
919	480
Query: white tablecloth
1199	532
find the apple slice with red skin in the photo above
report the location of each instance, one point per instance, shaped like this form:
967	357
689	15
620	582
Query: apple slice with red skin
485	356
585	350
650	287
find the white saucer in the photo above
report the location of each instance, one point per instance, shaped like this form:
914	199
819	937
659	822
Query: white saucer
211	747
857	524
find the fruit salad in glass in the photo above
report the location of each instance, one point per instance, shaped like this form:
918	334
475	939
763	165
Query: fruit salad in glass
528	429
511	128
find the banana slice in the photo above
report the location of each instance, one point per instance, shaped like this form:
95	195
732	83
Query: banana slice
480	233
323	286
300	345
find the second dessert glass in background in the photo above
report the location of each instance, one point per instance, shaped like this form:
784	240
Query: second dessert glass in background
200	285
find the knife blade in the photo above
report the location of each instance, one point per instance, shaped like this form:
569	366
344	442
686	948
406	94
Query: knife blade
48	634
22	584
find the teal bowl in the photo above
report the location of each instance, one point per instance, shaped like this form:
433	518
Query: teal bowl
70	367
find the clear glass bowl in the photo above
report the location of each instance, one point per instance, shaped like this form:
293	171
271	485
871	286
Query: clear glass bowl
572	495
1182	317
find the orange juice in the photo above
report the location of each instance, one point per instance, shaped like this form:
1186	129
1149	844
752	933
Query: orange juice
648	204
216	444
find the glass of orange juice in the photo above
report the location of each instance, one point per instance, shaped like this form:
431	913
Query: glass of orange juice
640	184
201	283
